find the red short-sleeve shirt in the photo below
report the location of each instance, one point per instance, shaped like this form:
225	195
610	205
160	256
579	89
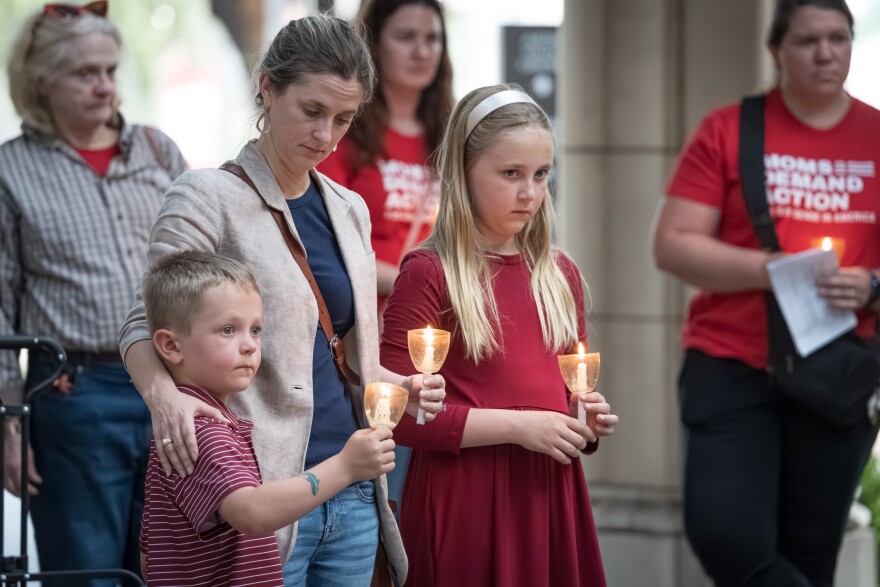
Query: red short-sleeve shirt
399	188
186	541
819	183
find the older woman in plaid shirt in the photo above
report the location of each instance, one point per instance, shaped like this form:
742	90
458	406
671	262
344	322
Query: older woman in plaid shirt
79	190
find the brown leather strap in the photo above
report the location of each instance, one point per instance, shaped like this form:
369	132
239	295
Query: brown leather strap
381	571
336	346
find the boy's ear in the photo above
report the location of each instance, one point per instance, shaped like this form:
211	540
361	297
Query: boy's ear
165	343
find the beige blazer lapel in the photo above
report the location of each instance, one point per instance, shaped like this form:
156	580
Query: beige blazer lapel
257	168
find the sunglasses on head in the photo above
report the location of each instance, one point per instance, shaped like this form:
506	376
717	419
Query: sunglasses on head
67	12
98	8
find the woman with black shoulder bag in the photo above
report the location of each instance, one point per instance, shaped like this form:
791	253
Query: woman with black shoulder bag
775	443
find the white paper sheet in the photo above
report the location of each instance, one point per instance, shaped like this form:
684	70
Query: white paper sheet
811	321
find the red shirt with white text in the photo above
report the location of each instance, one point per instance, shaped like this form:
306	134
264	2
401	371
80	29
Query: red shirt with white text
819	183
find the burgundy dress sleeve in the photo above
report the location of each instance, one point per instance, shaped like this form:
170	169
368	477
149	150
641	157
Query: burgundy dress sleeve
420	299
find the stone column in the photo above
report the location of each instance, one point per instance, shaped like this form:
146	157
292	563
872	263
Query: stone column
635	78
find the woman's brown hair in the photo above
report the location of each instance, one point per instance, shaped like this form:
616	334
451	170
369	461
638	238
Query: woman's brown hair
368	129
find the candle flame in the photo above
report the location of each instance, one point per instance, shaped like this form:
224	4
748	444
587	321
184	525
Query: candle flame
429	335
827	243
581	349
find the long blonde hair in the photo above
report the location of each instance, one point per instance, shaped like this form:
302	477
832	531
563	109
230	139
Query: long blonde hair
462	250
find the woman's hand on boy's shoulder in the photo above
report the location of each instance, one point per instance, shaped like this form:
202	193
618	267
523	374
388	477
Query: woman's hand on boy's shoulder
173	414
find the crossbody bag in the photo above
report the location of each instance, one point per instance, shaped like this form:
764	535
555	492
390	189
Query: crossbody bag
838	381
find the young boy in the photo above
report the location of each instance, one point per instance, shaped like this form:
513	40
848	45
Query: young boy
214	527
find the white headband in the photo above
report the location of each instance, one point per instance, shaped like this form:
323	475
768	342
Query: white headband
493	103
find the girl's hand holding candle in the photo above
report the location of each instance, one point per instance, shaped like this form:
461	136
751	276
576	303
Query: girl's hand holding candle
580	372
427	350
599	418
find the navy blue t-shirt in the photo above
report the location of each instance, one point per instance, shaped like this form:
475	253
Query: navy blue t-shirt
334	421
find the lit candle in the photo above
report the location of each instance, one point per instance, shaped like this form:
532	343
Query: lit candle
427	365
580	371
383	411
828	243
427	350
581	383
582	368
384	403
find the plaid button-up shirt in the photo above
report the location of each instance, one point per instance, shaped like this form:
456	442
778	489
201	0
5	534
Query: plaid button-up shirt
73	245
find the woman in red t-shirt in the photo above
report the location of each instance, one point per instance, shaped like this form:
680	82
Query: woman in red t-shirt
768	483
385	156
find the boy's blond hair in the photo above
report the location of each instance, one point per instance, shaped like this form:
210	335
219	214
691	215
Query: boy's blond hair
174	286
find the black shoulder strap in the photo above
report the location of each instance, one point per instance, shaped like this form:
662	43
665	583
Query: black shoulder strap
751	170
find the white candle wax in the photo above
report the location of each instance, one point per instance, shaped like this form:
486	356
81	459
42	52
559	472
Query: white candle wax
383	411
582	385
427	366
582	376
428	363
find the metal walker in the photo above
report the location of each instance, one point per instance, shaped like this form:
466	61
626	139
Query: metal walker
14	569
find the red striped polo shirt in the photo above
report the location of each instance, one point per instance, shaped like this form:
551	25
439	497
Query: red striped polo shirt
186	541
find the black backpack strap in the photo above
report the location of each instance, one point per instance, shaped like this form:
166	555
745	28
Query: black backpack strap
751	170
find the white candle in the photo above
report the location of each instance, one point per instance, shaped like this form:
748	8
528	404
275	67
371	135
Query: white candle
428	363
581	383
582	376
383	411
427	366
582	368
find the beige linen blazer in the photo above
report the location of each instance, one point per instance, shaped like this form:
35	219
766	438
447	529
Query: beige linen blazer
212	210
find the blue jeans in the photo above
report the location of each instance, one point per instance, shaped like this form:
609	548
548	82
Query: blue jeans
91	449
336	542
767	483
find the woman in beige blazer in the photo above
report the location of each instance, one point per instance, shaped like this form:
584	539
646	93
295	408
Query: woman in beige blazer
312	81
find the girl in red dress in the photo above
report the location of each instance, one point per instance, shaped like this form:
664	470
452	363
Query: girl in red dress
495	493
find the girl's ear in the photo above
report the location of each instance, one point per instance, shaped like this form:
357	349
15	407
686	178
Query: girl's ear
166	344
